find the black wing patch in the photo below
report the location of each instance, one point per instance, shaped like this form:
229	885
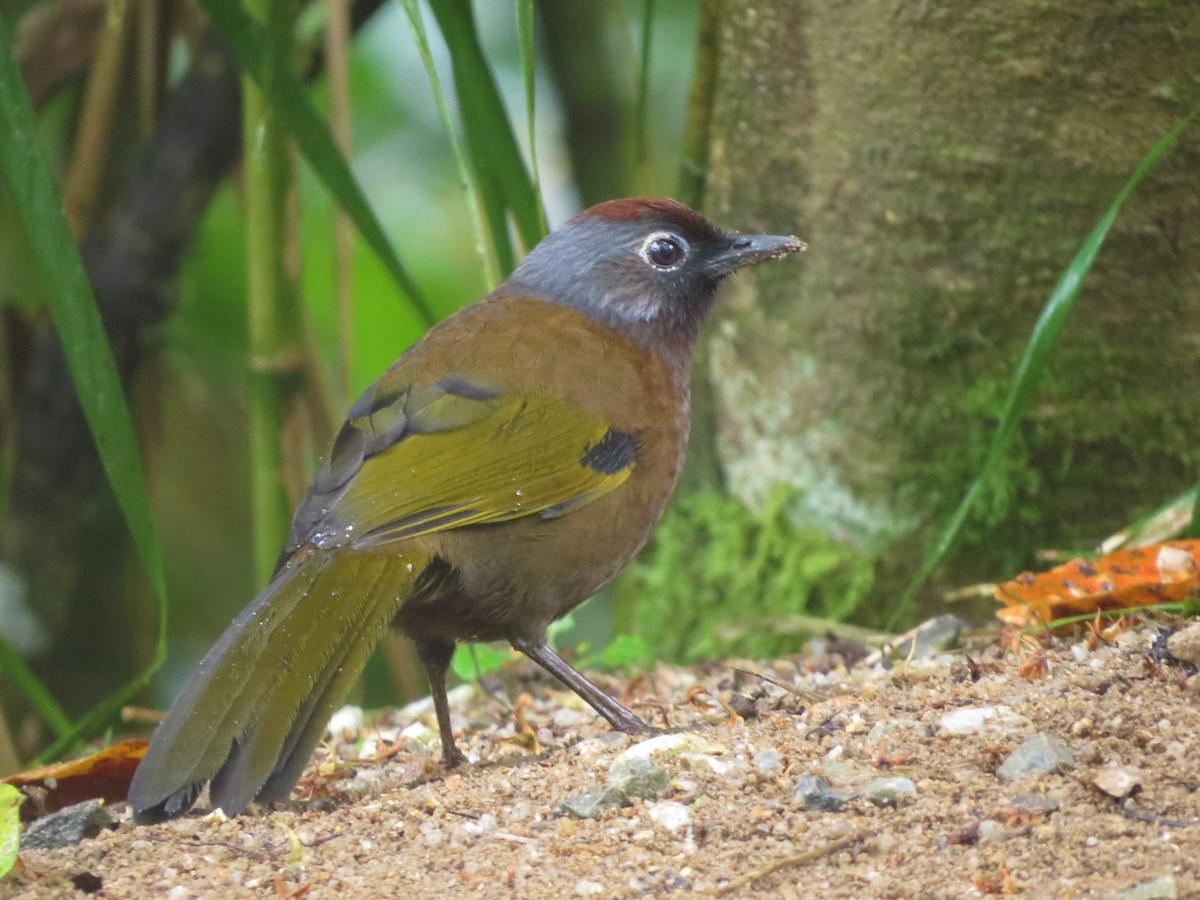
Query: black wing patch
613	453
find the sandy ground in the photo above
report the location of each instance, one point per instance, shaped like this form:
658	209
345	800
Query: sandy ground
723	814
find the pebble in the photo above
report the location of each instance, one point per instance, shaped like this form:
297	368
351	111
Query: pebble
1159	889
1035	803
894	730
1185	644
684	750
484	824
768	763
1117	781
348	718
815	793
637	776
565	717
931	638
1039	753
973	720
585	888
67	827
886	790
671	745
670	815
591	804
992	832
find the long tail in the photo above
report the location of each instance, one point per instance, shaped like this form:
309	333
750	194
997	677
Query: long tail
251	713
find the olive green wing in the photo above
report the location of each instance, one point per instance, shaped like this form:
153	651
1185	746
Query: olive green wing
415	460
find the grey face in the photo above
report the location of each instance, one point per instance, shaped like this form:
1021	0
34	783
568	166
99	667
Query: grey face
629	263
622	271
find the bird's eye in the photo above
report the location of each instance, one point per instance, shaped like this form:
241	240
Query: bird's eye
664	251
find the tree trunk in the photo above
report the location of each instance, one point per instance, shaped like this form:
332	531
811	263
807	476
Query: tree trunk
945	163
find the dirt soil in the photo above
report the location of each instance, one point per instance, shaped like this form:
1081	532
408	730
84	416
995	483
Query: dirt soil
723	813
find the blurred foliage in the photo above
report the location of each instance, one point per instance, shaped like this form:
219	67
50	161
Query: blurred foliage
191	407
611	81
719	580
10	826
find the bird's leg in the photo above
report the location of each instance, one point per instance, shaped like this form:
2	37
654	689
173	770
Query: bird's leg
435	658
617	715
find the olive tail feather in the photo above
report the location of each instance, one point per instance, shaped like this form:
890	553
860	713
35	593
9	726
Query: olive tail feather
250	715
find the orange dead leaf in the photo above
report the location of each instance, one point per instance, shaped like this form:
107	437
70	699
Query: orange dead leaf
104	775
1127	579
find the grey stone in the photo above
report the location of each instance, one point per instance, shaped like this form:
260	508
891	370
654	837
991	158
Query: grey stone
638	777
1039	753
815	793
768	763
67	827
886	790
1159	889
591	804
931	638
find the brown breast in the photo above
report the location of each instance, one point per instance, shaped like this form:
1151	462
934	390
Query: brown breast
516	577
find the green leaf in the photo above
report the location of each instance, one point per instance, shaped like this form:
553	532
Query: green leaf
31	686
465	175
1033	363
641	124
504	182
290	102
10	826
73	308
626	651
472	661
525	22
1193	529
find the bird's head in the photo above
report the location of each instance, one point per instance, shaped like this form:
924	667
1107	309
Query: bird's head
646	267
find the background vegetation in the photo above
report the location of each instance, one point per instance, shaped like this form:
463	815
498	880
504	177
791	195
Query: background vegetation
944	168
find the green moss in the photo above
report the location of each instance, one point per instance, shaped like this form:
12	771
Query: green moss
720	579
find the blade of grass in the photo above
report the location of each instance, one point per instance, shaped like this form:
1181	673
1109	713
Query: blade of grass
290	103
337	67
31	686
504	181
73	309
1040	628
274	329
465	175
1033	364
640	125
1193	529
525	22
1158	525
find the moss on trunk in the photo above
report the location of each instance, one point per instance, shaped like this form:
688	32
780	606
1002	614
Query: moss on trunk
945	162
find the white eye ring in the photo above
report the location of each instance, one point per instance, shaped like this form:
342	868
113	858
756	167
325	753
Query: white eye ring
664	251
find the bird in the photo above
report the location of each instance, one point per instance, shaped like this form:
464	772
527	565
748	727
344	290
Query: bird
505	468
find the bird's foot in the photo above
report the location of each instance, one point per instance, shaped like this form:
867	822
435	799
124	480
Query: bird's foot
634	725
452	757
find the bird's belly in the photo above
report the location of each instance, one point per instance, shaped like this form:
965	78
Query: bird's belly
514	578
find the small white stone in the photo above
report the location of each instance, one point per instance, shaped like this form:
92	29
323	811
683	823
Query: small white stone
179	892
670	815
992	832
585	888
565	717
981	718
769	763
484	824
669	745
348	718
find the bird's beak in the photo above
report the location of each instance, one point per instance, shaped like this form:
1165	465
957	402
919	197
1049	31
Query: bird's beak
743	250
